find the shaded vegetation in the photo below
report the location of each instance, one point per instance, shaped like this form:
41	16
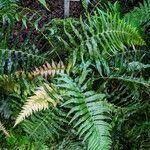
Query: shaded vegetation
75	83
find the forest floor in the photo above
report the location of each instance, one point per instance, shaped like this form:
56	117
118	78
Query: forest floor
56	8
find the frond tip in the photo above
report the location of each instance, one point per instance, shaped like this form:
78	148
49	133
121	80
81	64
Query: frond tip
2	128
35	103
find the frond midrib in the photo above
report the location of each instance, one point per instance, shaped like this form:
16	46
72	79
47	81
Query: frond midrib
107	32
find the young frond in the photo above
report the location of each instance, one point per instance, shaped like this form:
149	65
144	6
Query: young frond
2	128
49	69
139	15
89	114
46	70
36	103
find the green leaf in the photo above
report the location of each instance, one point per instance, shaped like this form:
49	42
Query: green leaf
89	114
137	66
85	3
43	2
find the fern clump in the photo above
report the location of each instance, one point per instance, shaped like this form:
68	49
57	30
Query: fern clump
36	103
74	83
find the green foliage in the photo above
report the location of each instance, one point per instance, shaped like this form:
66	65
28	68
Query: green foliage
89	112
43	2
140	15
94	95
104	34
85	3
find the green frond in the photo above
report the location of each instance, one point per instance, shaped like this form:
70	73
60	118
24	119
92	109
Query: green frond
137	66
43	2
15	59
101	35
47	125
89	114
9	85
140	15
129	79
69	141
85	3
8	10
21	86
36	103
2	128
11	12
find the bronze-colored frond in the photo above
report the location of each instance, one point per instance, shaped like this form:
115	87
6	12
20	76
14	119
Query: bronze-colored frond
35	103
45	70
48	69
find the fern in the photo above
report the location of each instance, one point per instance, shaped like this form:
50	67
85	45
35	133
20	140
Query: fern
46	70
46	125
140	15
2	128
8	84
102	101
27	81
8	11
101	35
22	59
89	113
18	47
36	103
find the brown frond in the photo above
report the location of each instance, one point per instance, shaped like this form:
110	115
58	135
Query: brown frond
46	70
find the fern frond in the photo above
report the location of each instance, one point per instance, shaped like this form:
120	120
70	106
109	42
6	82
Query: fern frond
2	128
137	66
14	82
89	111
139	15
9	84
69	141
101	35
12	60
129	79
36	103
48	70
46	125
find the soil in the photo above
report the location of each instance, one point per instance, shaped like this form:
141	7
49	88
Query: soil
56	8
